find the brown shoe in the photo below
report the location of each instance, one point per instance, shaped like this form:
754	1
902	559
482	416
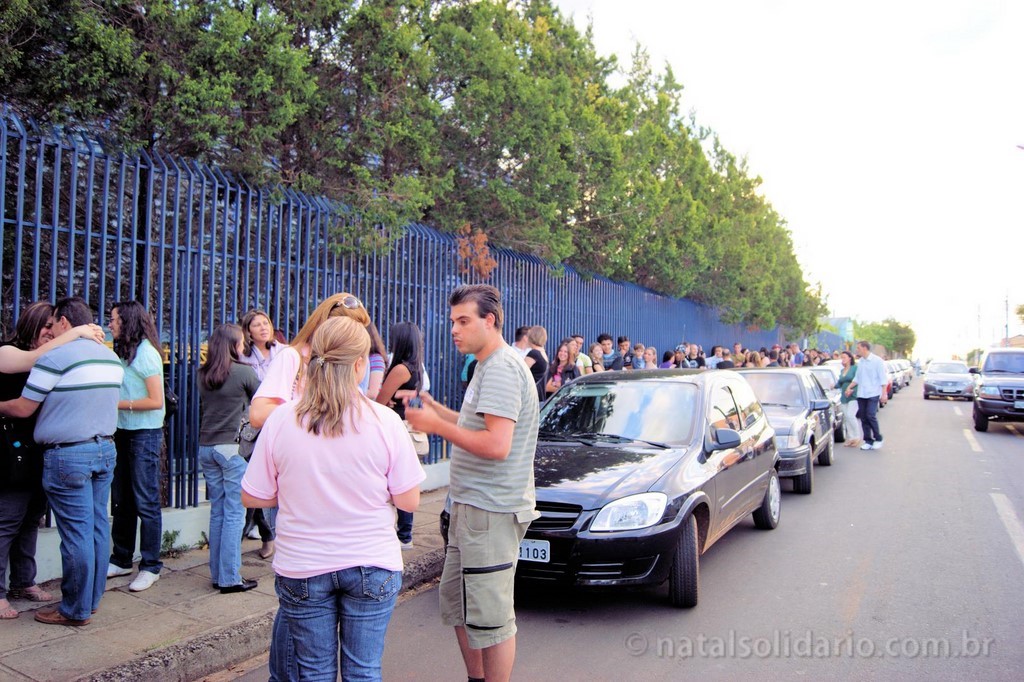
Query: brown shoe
55	617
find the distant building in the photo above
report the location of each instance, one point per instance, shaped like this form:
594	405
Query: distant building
842	325
1015	341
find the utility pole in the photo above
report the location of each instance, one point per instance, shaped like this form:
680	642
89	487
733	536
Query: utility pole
1006	341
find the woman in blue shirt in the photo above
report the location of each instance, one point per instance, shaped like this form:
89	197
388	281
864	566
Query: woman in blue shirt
135	491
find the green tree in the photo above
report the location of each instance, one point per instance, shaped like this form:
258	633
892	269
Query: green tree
1020	312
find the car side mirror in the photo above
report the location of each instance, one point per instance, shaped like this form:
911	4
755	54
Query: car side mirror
818	404
725	439
974	370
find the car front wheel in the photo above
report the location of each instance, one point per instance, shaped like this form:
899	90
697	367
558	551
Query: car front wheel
766	517
828	455
684	577
980	421
804	483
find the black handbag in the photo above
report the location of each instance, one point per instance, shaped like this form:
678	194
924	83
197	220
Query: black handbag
21	462
246	438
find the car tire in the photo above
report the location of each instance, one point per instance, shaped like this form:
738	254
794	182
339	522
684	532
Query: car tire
926	396
804	483
684	575
980	421
828	456
766	517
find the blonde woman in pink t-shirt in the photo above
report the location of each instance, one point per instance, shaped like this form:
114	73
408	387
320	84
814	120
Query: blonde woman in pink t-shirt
336	465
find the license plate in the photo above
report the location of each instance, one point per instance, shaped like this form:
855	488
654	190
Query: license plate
535	550
1018	404
951	390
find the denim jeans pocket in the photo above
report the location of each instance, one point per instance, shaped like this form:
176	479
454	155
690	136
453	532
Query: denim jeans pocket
293	590
380	583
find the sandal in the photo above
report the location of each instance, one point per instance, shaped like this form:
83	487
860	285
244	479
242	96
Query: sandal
7	612
31	593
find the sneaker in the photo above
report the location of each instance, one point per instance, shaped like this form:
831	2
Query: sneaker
406	545
253	534
143	581
113	570
877	445
866	446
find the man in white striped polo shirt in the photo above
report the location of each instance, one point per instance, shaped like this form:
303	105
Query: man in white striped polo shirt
77	386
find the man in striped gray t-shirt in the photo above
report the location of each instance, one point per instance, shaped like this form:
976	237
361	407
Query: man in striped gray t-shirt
494	439
76	388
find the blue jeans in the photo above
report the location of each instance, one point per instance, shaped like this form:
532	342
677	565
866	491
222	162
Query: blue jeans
404	526
868	408
135	499
223	475
352	606
77	482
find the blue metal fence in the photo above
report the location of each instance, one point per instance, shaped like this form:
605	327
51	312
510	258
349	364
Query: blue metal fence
199	247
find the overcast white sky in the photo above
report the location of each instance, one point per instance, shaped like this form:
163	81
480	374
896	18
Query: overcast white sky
886	134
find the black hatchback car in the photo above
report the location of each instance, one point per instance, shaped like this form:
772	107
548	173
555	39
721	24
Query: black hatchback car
639	473
801	415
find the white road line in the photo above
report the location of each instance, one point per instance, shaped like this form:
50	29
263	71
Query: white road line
956	409
1008	515
972	441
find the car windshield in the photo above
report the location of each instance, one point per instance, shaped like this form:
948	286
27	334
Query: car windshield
776	388
655	411
947	368
1004	362
826	378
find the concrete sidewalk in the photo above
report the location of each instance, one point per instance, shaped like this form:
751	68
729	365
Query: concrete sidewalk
181	628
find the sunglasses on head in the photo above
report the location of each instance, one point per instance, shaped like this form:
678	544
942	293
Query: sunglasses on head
350	302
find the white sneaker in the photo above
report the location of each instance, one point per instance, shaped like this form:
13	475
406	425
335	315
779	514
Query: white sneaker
866	446
254	533
877	445
113	570
406	545
143	581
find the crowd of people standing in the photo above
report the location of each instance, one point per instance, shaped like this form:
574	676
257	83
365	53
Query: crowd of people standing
333	478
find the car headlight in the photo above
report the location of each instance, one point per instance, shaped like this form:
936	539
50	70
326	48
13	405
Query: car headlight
631	513
793	440
989	392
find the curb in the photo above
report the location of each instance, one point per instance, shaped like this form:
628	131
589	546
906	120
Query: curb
212	652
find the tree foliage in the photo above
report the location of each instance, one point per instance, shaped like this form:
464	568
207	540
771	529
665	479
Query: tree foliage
498	115
895	336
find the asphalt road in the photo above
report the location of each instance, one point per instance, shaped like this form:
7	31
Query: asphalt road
905	563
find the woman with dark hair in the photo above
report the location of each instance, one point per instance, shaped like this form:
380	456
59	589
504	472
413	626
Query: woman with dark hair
337	465
668	360
563	369
22	500
135	491
261	345
404	374
226	386
854	430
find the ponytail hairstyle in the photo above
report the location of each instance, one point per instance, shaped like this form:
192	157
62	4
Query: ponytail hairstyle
332	385
221	353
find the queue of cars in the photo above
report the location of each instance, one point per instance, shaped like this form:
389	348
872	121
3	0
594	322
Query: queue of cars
638	473
995	386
